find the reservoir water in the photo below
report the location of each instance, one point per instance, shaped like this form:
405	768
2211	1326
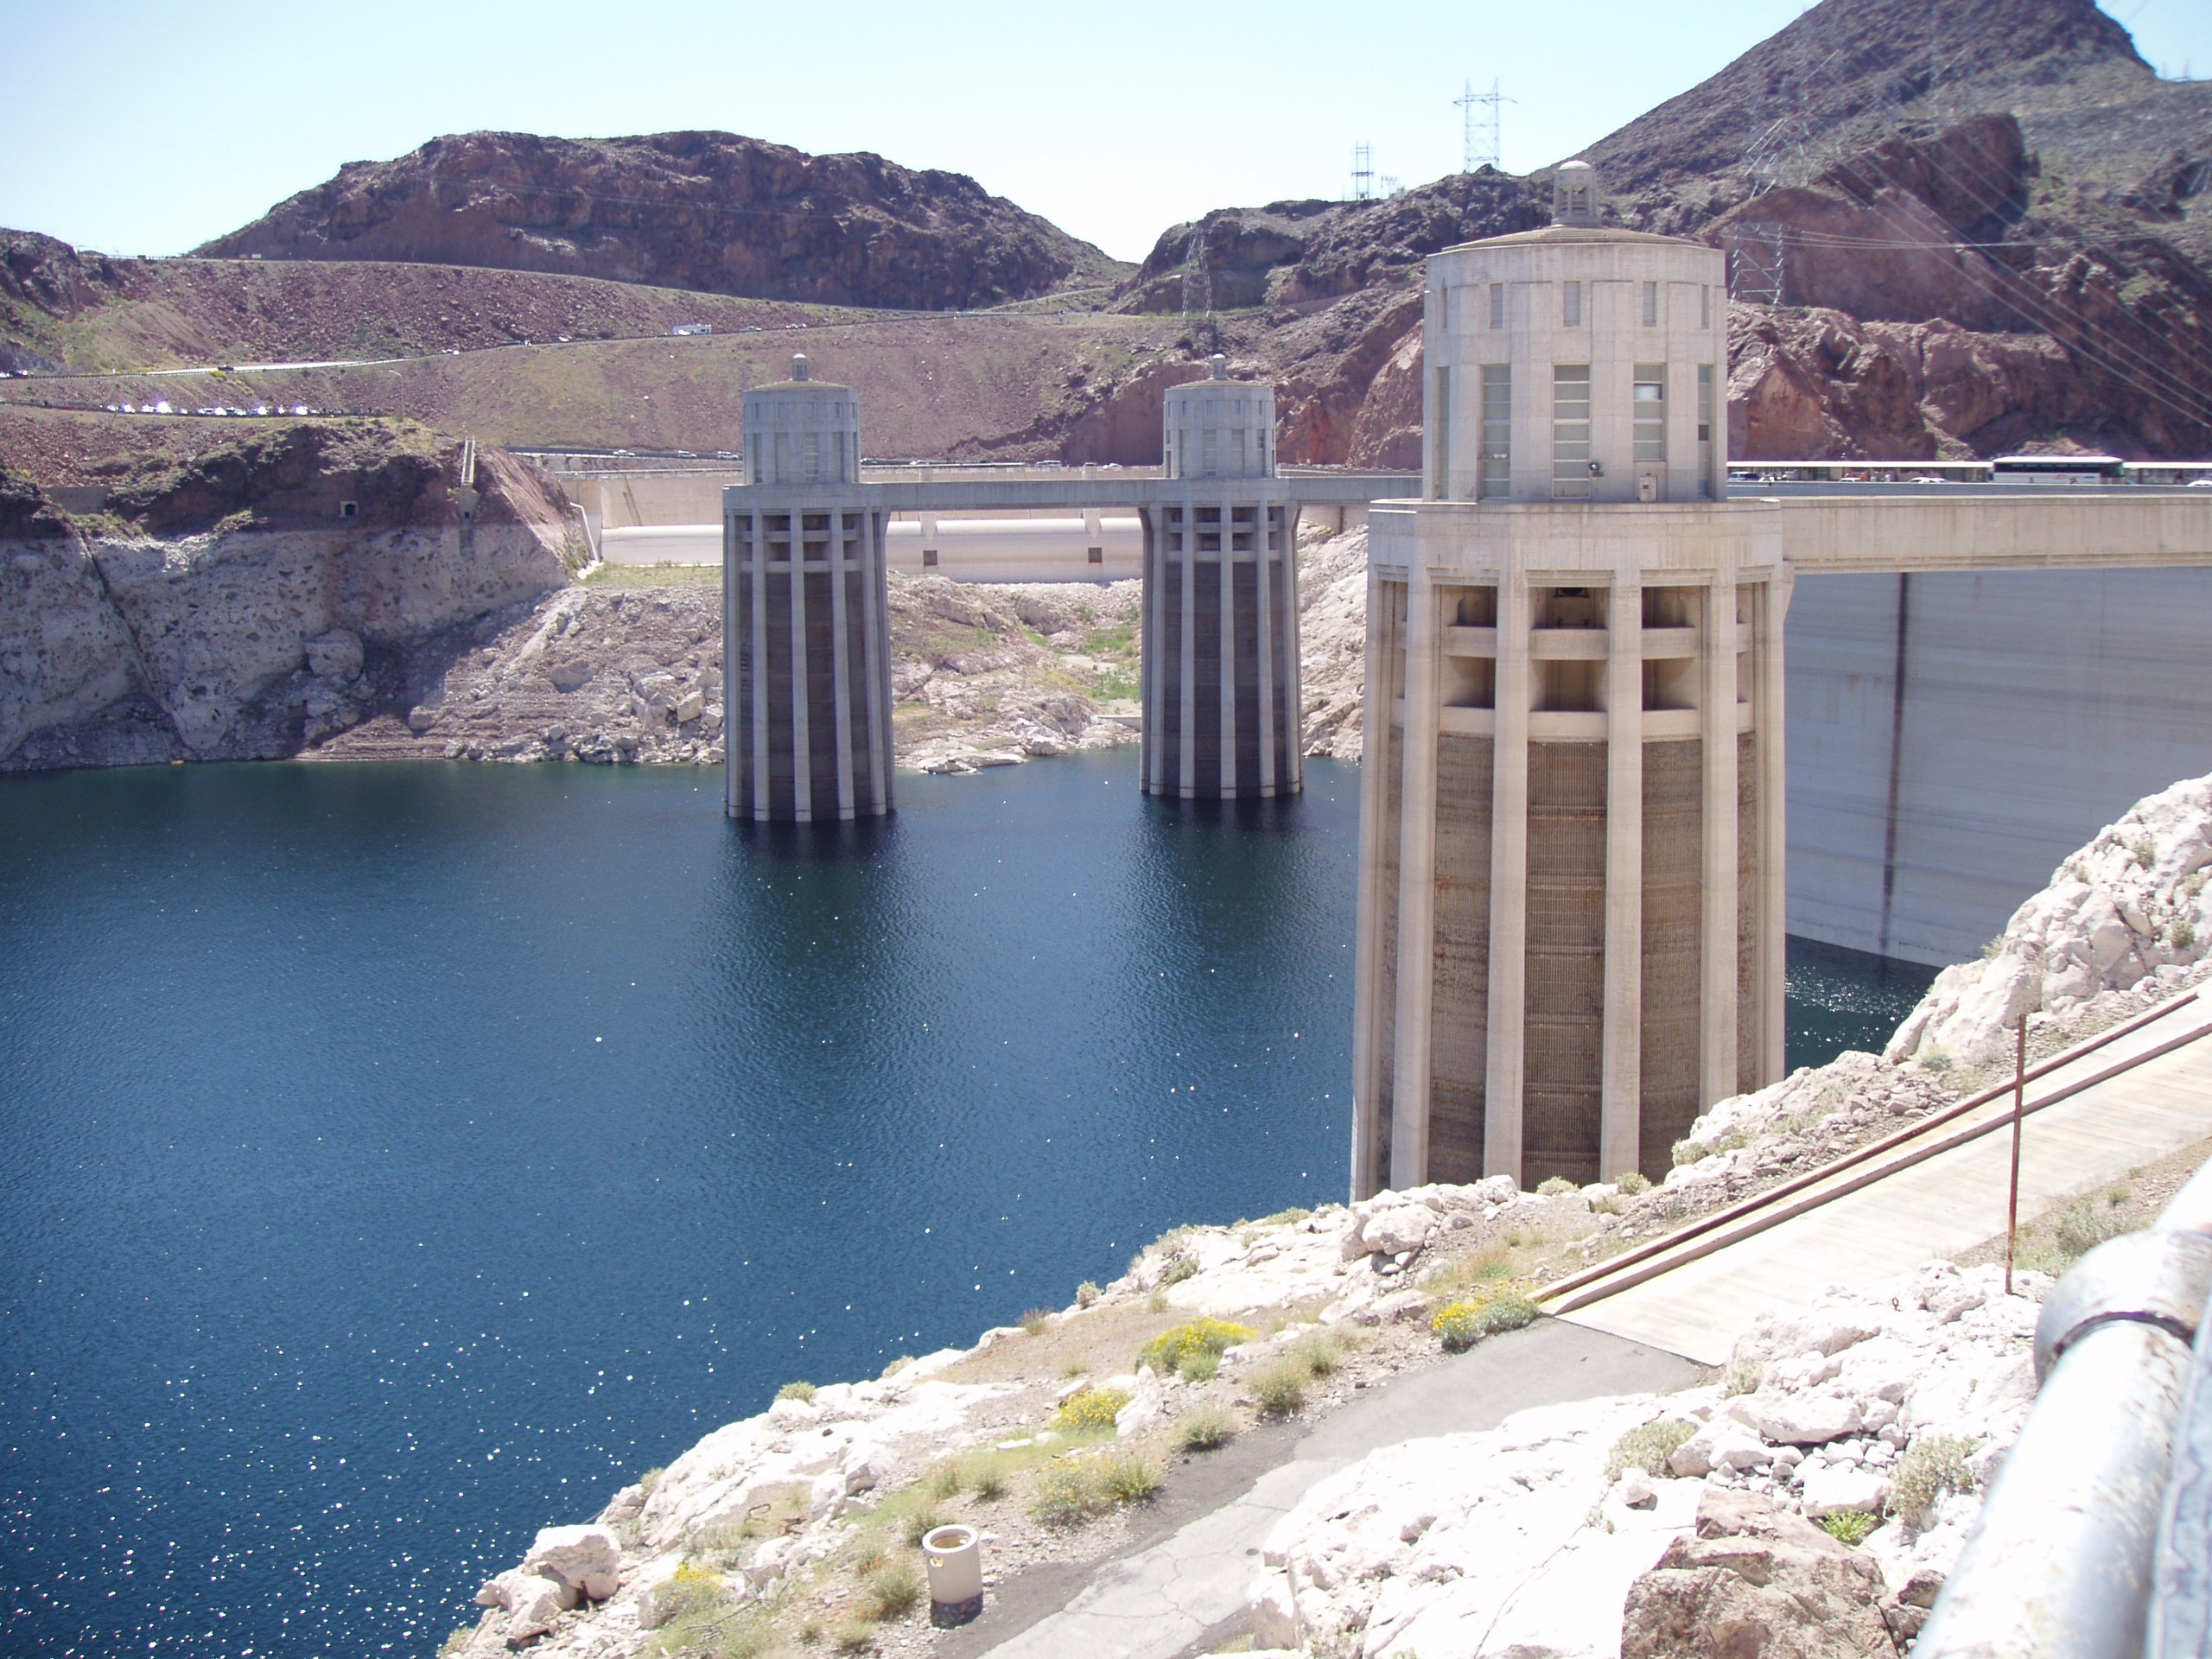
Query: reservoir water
402	1158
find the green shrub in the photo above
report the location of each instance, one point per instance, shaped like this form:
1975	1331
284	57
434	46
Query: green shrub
890	1591
859	1637
721	1631
454	1643
1206	1426
691	1589
1128	1477
1156	1302
1849	1526
1931	1465
1460	1326
2146	852
1283	1217
919	1522
1743	1377
1454	1279
1319	1352
1633	1181
1182	1268
1990	950
649	1479
897	1365
802	1392
1091	1410
1087	1293
1200	1366
2182	934
1279	1388
1647	1446
1067	1493
943	1479
1555	1186
1036	1319
987	1477
1936	1059
2086	1223
1166	1352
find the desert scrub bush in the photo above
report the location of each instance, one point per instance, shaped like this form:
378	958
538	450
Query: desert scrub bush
1743	1377
725	1632
692	1588
2146	852
1691	1152
858	1636
454	1643
1461	1324
1849	1526
1555	1186
944	1478
1087	1293
890	1591
987	1477
1067	1493
802	1392
2182	934
1034	1321
1168	1352
1319	1352
1091	1410
1633	1181
1279	1389
896	1366
1993	949
1647	1446
1284	1218
2088	1221
1200	1367
1182	1268
1931	1465
1128	1477
649	1479
1455	1279
1607	1203
1204	1427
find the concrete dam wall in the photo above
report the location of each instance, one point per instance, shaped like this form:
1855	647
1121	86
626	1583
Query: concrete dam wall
1952	736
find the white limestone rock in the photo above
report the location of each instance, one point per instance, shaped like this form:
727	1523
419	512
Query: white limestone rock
1515	1542
584	1559
2127	908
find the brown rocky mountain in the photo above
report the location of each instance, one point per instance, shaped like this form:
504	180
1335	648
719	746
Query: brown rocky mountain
1952	231
708	211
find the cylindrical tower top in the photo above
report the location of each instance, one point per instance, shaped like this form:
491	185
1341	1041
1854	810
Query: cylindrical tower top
1219	428
1574	194
802	431
1577	363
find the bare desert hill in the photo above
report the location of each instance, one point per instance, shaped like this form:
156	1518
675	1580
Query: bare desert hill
708	211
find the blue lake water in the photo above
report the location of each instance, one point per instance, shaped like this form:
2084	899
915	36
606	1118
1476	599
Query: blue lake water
401	1158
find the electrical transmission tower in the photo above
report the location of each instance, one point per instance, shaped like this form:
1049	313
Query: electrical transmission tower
1480	143
1363	173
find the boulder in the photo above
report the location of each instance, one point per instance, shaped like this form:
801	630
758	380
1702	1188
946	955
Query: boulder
1753	1579
584	1559
1830	1488
1147	1404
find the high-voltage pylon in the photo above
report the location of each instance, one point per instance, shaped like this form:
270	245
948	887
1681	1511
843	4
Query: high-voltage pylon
1363	173
1479	136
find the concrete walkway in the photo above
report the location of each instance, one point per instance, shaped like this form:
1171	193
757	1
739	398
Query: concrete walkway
1182	1591
1938	1208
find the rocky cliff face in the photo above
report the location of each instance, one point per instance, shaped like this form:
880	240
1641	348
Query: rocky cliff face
245	603
709	211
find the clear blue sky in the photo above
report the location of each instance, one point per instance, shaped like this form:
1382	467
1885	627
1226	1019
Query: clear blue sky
147	128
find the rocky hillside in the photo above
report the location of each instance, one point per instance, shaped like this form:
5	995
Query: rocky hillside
248	600
708	210
1958	235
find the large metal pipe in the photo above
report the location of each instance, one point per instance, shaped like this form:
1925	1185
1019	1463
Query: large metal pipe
2061	1564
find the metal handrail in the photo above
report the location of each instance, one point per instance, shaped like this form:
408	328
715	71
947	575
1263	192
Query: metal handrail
2061	1563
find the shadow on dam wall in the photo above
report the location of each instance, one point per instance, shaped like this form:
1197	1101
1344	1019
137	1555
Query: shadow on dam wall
1953	736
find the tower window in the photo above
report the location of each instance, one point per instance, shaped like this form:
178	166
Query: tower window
1571	458
1498	305
1651	305
1570	304
1705	394
1498	431
1705	305
1440	450
1650	405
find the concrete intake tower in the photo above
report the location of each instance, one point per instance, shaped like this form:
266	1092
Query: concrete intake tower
1571	904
